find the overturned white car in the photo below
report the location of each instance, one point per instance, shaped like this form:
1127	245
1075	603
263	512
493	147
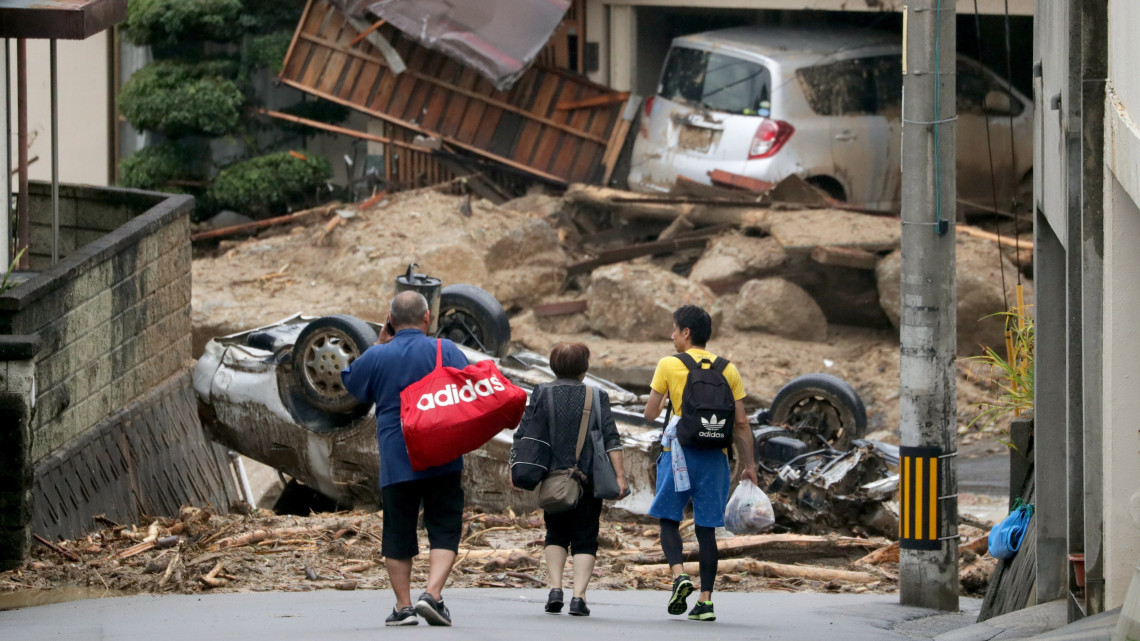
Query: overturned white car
274	394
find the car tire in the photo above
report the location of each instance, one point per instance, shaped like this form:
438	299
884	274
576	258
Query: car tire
471	317
824	405
325	347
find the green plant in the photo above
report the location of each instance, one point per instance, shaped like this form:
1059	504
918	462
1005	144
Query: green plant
267	184
1012	373
163	166
179	99
164	22
6	283
267	51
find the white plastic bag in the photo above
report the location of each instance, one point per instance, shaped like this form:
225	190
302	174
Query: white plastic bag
749	511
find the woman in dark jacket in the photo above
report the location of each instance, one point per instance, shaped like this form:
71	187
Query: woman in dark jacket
540	442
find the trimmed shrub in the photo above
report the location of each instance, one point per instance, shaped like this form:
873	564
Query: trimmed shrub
261	16
163	22
267	51
157	167
268	184
178	99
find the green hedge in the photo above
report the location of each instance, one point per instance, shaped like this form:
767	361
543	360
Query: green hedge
153	167
267	51
178	99
268	184
163	22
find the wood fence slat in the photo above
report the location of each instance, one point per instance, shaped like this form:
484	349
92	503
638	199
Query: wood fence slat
289	58
551	141
533	131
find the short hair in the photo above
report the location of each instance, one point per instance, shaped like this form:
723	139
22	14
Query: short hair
569	360
697	321
408	309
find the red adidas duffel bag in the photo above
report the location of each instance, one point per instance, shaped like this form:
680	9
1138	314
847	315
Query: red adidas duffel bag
451	411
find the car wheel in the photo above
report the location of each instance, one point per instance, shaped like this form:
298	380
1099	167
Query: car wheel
823	405
471	317
324	348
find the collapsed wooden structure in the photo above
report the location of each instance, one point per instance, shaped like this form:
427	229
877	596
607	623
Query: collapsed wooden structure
553	124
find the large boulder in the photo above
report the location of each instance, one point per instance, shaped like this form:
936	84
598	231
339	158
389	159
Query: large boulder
979	287
527	264
736	257
776	306
535	242
636	302
453	261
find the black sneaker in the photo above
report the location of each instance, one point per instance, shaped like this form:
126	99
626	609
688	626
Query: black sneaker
404	616
682	588
702	611
554	601
434	612
578	607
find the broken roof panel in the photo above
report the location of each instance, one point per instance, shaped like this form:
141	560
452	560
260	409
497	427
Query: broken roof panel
498	38
551	123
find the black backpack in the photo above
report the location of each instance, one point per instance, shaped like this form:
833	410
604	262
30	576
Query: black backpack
708	410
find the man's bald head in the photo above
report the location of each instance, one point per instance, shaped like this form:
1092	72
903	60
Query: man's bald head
408	309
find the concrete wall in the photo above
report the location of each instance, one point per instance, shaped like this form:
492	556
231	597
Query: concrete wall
114	318
1121	304
85	132
115	428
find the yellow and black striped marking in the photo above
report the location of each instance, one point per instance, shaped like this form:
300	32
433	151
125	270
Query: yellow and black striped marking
919	488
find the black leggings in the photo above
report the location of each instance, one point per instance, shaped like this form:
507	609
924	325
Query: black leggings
706	541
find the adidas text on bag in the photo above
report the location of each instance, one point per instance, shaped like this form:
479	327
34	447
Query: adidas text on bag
708	410
451	411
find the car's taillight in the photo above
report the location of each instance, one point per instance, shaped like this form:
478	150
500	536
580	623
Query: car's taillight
770	136
649	106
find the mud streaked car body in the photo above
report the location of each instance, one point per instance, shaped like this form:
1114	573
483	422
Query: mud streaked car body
824	104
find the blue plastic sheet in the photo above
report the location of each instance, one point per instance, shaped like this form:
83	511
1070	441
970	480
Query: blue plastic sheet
1005	537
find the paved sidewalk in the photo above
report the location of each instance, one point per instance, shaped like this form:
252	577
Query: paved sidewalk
498	615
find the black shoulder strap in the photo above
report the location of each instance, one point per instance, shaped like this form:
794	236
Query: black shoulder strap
720	363
686	360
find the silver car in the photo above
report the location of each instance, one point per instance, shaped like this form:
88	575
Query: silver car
824	104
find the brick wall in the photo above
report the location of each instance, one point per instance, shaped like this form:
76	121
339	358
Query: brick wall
114	428
113	318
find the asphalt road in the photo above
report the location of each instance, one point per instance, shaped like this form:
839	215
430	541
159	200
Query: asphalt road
492	614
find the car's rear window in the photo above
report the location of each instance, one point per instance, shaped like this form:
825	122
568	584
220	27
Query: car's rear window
716	81
853	87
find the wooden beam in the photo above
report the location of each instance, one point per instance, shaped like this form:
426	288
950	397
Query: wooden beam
387	118
505	106
339	130
364	34
620	254
595	101
729	179
296	35
261	224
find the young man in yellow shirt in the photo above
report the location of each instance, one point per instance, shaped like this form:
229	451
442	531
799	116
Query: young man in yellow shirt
686	473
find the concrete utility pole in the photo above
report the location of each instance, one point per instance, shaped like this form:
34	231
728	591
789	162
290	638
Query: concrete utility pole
928	565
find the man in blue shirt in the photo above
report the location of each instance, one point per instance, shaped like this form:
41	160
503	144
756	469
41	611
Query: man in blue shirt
379	375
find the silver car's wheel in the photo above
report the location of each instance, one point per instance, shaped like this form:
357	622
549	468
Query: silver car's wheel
324	348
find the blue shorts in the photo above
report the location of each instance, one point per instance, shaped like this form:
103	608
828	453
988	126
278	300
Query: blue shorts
708	488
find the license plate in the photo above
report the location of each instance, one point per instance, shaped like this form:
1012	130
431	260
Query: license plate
695	138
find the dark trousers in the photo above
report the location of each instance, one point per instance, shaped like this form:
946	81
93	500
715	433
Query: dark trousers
576	529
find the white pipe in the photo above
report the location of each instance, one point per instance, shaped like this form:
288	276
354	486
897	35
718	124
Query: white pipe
239	468
53	60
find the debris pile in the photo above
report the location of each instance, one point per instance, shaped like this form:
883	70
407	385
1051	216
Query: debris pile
203	551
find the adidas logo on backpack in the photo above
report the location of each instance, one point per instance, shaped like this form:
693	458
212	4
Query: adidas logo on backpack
707	405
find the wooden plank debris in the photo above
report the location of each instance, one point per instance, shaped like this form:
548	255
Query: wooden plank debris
323	210
435	97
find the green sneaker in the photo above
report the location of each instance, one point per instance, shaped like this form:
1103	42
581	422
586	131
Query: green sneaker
702	611
682	588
